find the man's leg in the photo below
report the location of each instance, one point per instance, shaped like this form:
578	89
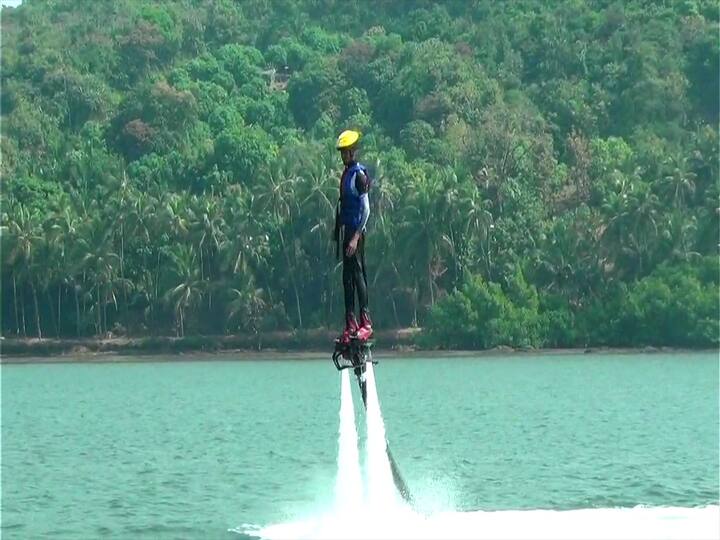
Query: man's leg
360	275
351	325
349	283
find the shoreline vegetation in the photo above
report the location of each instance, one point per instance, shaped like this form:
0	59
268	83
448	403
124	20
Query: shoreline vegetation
270	345
261	343
544	175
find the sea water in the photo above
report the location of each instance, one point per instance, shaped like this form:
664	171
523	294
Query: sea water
571	446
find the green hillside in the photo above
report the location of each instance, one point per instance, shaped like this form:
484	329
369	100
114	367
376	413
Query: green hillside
545	173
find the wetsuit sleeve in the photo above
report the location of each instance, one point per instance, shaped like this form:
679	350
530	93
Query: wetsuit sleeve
365	206
362	184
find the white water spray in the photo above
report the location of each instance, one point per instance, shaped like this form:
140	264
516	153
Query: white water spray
591	524
348	486
381	488
384	517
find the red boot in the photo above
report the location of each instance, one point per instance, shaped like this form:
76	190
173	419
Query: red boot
365	331
351	326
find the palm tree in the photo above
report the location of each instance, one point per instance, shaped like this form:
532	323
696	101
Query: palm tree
467	224
62	236
188	285
25	236
243	250
276	199
68	224
678	182
384	275
709	219
247	304
645	226
630	230
566	262
48	269
207	230
678	236
7	245
144	218
100	263
127	217
170	224
423	226
317	189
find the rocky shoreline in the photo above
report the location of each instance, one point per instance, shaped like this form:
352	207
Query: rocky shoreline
14	349
295	345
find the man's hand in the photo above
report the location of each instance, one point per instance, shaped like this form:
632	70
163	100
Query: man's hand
352	244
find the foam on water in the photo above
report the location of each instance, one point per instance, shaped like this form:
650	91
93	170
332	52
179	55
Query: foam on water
602	523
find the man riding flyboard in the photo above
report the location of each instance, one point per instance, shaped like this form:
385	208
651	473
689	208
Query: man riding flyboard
350	221
352	347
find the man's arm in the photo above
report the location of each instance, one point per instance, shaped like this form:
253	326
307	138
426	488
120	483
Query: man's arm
362	184
365	205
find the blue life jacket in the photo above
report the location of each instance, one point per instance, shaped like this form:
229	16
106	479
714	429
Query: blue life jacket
350	207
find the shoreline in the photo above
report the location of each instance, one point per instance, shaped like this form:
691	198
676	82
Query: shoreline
319	340
308	345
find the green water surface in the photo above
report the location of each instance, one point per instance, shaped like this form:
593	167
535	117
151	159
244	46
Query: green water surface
190	449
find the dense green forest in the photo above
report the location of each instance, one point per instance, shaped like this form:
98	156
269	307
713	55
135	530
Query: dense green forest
545	173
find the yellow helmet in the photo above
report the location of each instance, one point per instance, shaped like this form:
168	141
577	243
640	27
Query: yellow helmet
347	139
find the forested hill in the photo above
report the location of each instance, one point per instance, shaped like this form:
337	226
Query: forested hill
545	173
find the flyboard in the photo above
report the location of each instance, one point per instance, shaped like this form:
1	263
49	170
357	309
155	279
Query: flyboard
355	355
